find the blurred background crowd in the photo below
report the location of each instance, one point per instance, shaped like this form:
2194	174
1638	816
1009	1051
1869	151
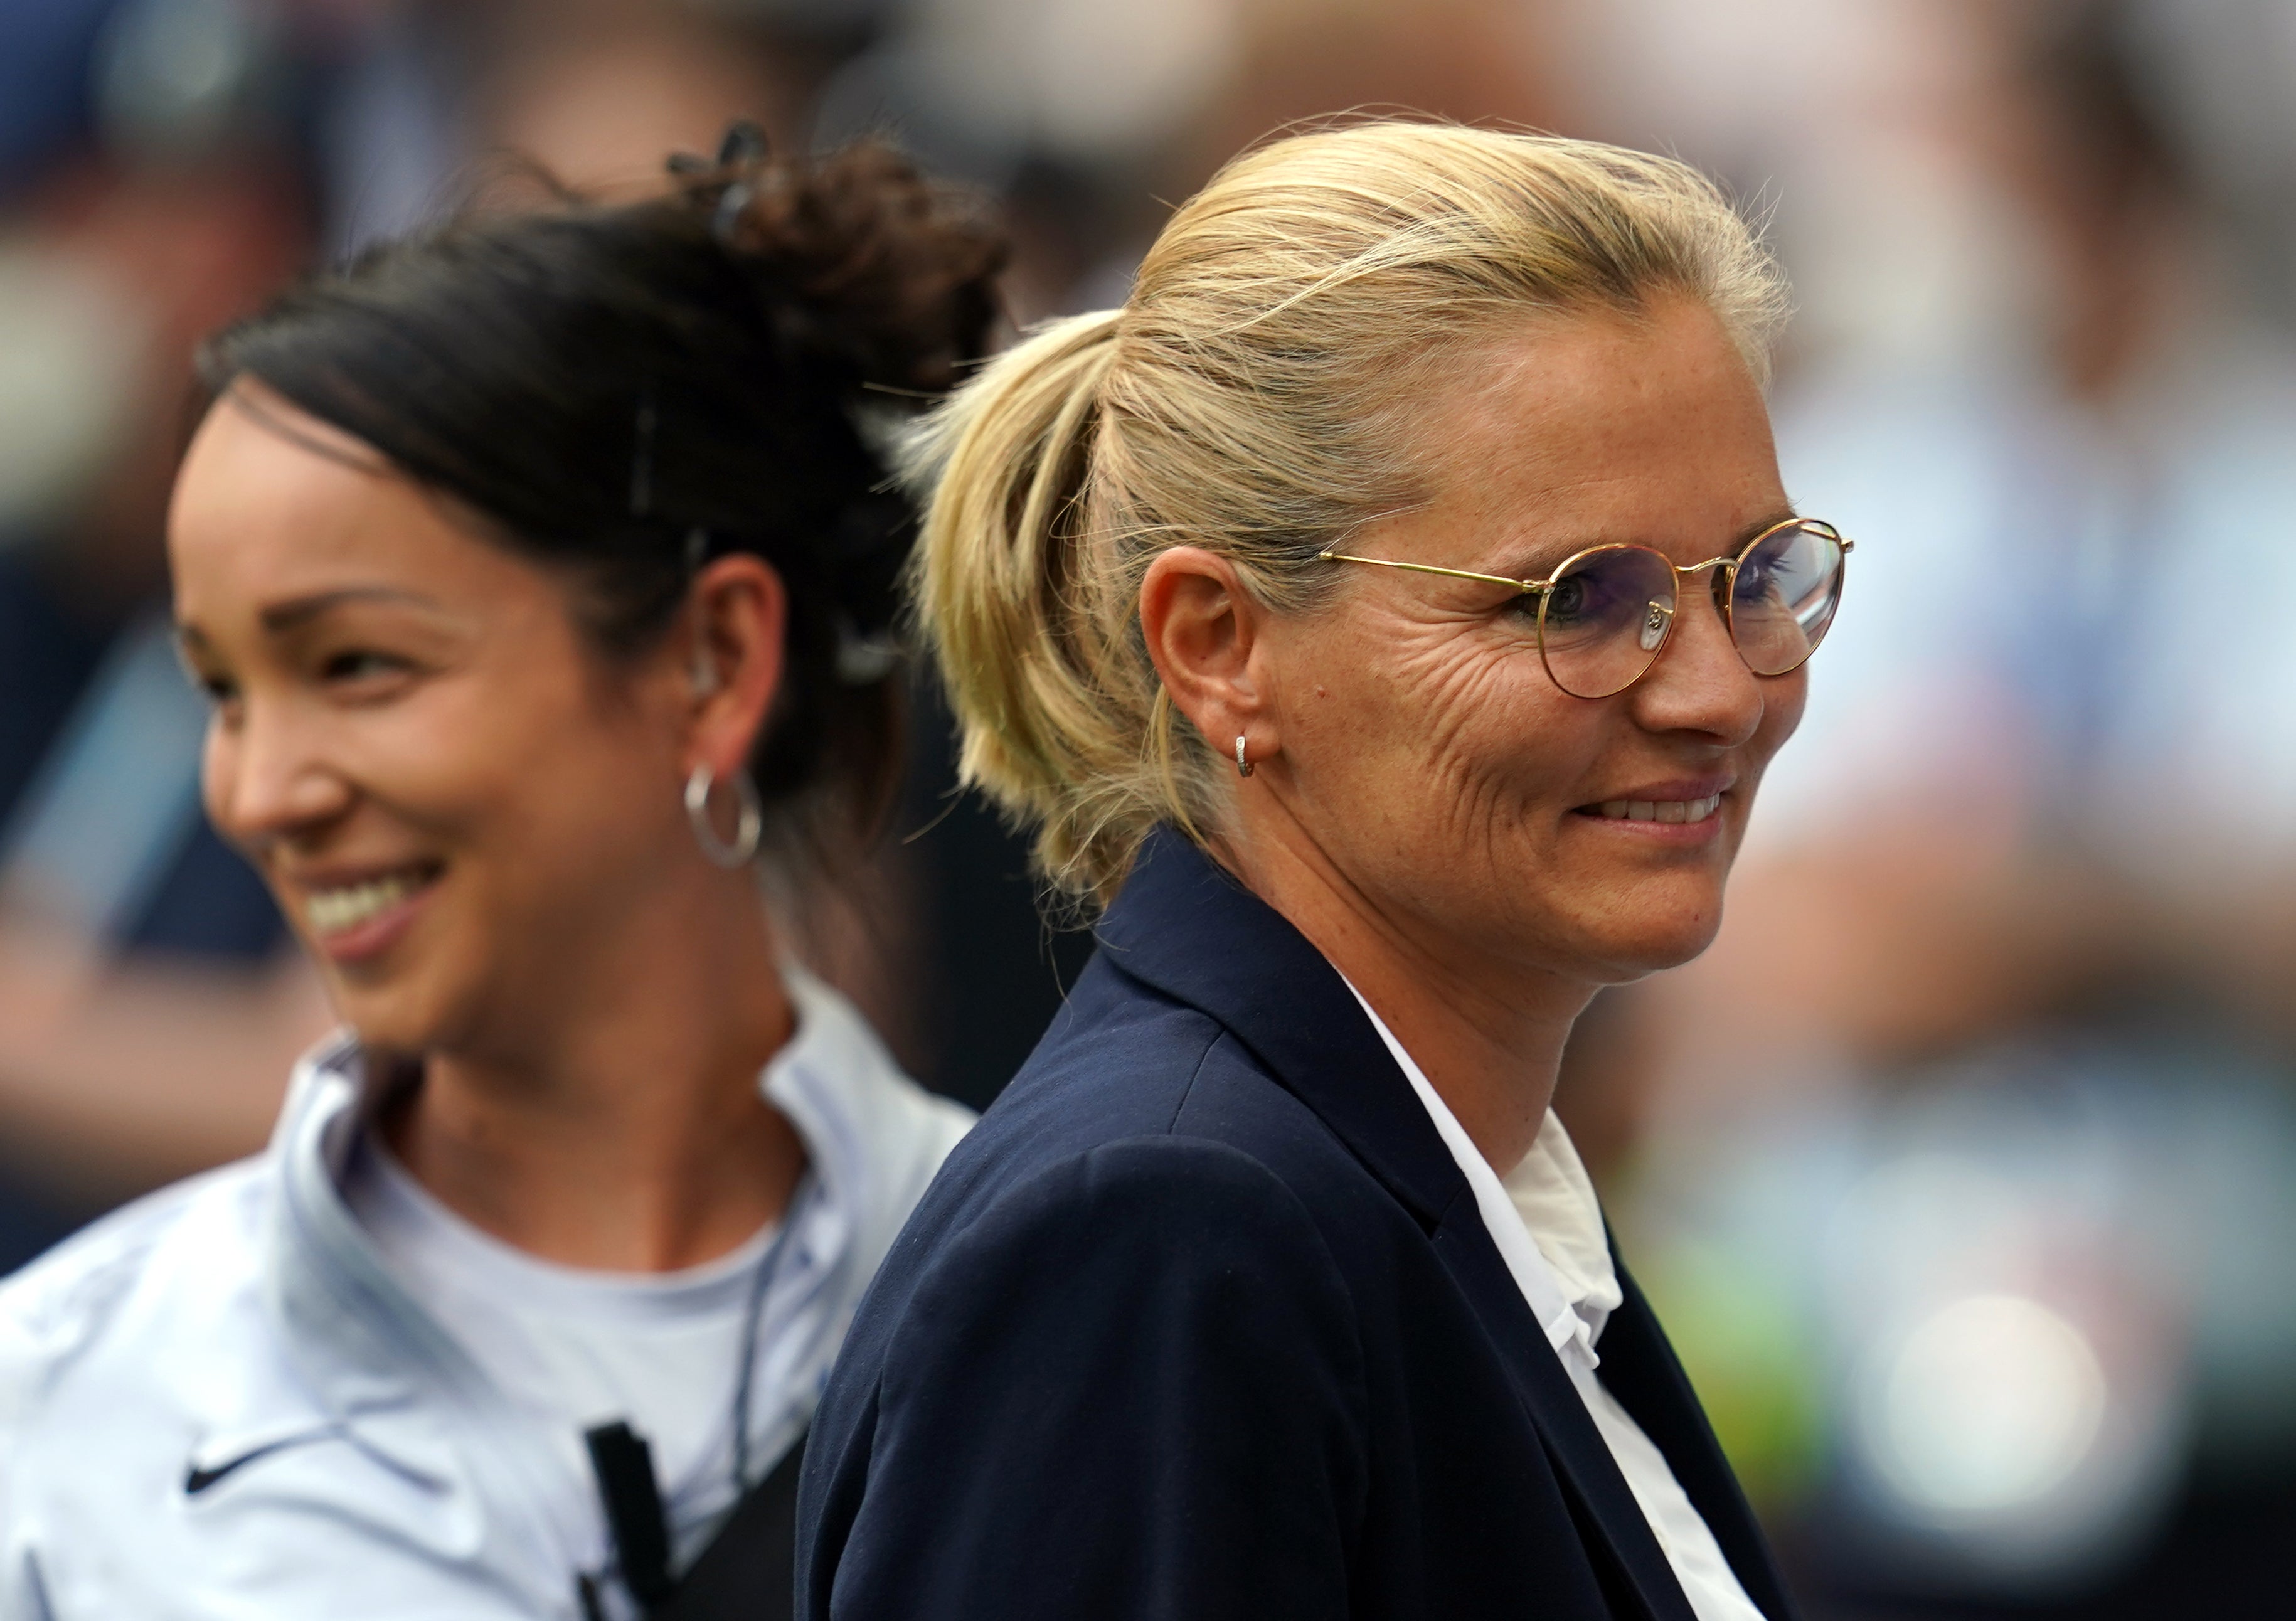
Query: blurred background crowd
1962	1169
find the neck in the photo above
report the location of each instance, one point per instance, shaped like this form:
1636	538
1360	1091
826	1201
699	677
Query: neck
630	1134
1487	1035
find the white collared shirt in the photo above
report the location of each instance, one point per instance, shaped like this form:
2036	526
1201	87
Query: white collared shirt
227	1394
1548	1225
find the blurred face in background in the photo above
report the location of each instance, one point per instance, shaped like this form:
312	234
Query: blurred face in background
109	276
1438	767
412	740
596	96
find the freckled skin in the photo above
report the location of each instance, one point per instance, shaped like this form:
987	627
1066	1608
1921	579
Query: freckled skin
1436	770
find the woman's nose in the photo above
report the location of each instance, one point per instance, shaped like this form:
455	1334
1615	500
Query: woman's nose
1700	684
265	782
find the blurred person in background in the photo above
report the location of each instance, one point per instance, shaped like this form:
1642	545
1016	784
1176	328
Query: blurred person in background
937	937
586	95
152	187
1088	115
168	162
540	572
1980	1105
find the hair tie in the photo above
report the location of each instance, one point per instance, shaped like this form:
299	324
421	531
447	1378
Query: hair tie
731	206
744	147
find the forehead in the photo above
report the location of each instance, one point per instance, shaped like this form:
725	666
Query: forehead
1602	426
273	505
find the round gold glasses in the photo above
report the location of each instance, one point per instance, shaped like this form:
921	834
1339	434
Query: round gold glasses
1605	615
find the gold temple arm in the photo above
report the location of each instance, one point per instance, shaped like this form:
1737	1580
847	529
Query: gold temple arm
1525	586
1531	588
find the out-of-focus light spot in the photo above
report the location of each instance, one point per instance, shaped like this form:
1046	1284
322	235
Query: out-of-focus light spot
73	349
172	72
1988	1406
1093	81
1110	76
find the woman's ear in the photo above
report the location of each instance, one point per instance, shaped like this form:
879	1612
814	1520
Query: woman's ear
738	623
1202	629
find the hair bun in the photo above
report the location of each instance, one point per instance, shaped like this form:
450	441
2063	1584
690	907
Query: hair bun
859	256
625	388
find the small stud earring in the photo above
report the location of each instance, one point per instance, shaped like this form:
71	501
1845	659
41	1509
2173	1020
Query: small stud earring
1243	766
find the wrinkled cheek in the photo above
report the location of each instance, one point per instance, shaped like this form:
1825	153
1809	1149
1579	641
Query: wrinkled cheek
1479	775
1417	757
1472	805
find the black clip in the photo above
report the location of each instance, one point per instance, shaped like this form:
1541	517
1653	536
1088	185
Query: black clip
624	1465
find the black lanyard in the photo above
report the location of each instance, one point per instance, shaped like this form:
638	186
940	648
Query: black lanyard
756	1545
748	1570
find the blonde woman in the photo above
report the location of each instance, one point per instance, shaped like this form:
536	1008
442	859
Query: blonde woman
1386	617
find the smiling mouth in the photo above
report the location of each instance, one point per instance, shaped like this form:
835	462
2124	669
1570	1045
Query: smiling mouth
344	907
1654	810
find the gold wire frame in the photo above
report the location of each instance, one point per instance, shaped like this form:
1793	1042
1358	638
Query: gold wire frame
1541	589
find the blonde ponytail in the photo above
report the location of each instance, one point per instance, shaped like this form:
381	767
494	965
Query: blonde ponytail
1041	712
1248	399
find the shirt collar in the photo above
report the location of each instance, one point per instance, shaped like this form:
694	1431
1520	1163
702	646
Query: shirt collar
363	1339
1542	1216
1555	1199
823	1081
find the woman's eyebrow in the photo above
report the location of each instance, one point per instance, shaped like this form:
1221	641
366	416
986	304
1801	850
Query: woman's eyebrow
300	611
1550	556
1745	537
1539	560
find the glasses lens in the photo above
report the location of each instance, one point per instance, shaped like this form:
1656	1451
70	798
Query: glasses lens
1605	619
1784	597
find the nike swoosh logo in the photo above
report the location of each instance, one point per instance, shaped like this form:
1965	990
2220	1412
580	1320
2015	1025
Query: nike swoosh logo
197	1479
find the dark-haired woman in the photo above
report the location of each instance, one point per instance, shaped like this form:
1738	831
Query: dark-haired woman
537	571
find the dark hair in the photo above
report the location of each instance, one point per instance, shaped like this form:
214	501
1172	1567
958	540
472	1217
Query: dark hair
627	390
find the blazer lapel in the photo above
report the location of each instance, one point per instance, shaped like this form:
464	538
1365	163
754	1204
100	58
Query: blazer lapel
1640	1369
1184	927
1581	1456
1187	928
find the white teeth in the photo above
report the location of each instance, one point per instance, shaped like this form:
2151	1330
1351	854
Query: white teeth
332	911
1661	810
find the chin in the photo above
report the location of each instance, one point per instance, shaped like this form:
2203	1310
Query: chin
406	1017
1618	950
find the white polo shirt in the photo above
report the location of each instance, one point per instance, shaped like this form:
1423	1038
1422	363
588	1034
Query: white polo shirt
236	1397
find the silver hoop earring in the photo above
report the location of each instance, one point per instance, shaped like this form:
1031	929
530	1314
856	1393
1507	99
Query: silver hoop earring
1243	766
748	830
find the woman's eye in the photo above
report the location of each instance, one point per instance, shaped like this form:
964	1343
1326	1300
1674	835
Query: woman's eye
360	664
1756	581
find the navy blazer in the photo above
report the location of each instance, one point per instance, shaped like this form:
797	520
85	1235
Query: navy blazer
1202	1322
